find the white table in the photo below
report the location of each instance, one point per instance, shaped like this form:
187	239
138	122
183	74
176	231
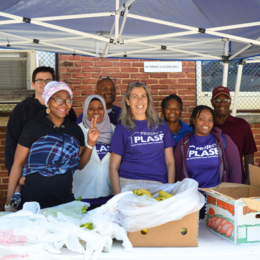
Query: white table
211	247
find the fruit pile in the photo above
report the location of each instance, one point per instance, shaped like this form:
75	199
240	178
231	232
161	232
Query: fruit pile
221	225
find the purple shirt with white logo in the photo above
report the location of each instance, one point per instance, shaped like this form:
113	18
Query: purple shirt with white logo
203	161
102	150
142	151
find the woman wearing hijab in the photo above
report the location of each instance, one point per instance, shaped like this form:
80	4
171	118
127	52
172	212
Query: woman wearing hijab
92	183
49	151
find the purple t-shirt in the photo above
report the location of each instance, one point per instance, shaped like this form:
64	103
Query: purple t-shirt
142	151
203	161
102	149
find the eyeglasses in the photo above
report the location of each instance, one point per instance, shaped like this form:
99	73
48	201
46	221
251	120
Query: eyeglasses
41	81
137	83
59	101
218	101
107	77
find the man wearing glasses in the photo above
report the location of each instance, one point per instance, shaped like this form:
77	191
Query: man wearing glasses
107	90
27	110
237	128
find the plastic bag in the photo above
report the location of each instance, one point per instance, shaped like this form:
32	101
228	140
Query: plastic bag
143	212
105	220
70	210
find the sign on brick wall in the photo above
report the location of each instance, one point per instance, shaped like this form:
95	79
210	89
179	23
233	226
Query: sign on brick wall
169	66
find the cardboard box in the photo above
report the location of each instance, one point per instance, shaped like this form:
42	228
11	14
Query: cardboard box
233	210
170	234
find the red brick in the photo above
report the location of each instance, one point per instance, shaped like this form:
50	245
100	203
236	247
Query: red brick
127	60
137	64
63	70
159	86
89	81
110	70
191	64
3	187
2	142
177	86
5	180
89	92
91	69
191	75
178	75
2	136
103	64
191	86
167	92
2	130
186	81
256	125
63	57
76	93
139	76
123	64
2	148
189	103
158	75
186	92
74	57
90	58
120	75
79	99
74	81
84	87
67	64
168	81
254	130
84	64
73	69
188	70
81	75
129	69
65	75
77	104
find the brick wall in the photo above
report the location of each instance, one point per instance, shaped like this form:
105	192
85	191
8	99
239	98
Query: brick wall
81	74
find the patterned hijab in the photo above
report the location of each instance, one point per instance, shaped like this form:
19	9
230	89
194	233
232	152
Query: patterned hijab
104	127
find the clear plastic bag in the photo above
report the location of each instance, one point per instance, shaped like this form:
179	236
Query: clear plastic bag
143	212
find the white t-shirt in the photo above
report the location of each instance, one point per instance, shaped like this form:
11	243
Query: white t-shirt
93	181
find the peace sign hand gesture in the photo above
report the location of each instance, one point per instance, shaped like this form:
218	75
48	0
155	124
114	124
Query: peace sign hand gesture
93	132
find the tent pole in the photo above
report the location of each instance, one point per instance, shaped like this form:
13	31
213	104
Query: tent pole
113	27
123	24
226	65
235	26
116	22
237	89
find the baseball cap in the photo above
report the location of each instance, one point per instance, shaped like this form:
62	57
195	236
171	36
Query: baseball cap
220	90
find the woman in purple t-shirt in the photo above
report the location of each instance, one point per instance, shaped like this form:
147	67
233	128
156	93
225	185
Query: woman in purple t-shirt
141	147
206	155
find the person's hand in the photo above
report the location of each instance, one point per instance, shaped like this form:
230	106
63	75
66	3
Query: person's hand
22	180
93	132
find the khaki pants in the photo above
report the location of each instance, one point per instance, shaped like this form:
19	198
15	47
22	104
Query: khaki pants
124	182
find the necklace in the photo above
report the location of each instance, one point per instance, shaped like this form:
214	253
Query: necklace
177	130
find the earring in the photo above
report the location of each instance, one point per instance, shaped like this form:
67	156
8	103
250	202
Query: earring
48	110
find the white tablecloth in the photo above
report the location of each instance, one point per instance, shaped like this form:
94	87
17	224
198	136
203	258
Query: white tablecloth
211	247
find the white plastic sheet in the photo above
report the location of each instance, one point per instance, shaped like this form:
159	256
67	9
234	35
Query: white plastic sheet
143	212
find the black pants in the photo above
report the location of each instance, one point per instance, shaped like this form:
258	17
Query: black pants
47	191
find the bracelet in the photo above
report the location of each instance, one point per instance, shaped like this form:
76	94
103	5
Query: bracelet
90	147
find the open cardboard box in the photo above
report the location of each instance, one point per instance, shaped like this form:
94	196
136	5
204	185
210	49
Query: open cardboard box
179	233
233	210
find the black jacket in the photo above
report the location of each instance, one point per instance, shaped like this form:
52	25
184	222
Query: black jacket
23	113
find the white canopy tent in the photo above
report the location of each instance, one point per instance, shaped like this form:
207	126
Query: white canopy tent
221	30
